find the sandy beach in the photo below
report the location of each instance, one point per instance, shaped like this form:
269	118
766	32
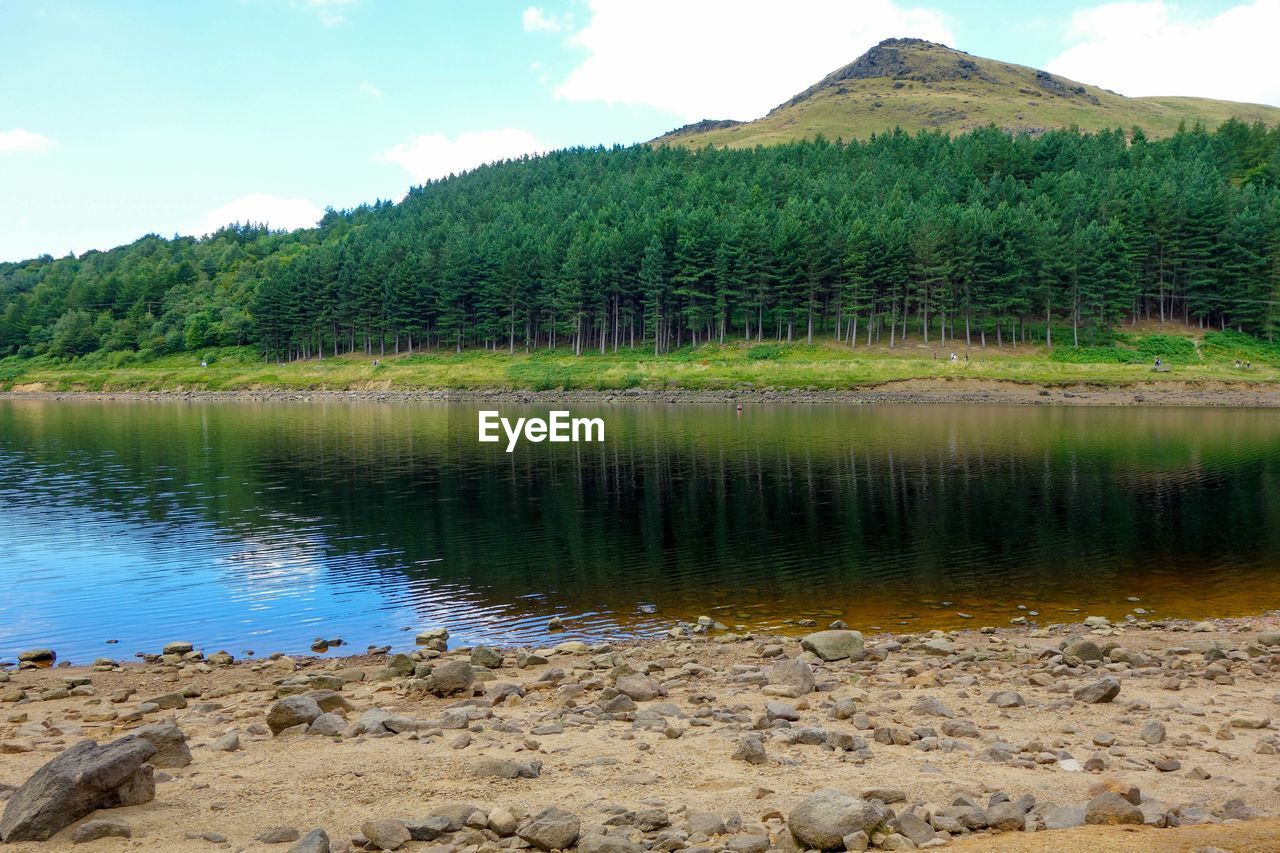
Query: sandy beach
709	740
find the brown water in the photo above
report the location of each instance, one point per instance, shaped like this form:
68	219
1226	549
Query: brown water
264	525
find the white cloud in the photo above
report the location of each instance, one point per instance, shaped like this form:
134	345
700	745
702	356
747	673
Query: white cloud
371	90
1158	48
329	11
535	20
260	208
729	58
434	155
13	141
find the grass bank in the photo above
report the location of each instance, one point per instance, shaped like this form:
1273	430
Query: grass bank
826	366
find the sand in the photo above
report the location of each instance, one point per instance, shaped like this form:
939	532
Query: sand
339	783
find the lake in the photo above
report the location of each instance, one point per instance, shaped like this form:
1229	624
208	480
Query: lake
264	525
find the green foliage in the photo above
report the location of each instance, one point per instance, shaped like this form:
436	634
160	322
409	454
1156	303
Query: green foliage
764	352
73	334
1171	349
1231	345
630	253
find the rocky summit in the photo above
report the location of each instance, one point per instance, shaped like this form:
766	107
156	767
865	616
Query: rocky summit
917	85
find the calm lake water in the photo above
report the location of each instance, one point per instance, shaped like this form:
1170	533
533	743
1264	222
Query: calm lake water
244	525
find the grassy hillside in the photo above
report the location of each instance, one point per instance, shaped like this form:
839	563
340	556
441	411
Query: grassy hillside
824	365
919	85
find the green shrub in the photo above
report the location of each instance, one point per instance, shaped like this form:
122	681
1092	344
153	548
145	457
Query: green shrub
764	352
1232	345
1172	349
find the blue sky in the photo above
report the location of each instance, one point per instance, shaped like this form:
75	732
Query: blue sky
123	117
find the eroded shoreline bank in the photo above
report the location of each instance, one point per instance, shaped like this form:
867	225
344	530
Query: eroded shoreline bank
708	740
910	391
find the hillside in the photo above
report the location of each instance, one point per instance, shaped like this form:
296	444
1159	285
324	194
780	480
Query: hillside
919	85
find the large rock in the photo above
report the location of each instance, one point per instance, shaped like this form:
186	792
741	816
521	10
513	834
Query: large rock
639	688
1062	817
450	678
823	820
1103	690
85	777
292	711
37	657
1109	808
551	829
315	841
938	647
793	674
835	645
486	656
386	834
170	743
1083	649
751	750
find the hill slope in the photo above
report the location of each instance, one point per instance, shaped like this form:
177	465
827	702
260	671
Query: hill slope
920	85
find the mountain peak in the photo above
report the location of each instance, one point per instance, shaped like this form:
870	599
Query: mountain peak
914	84
919	61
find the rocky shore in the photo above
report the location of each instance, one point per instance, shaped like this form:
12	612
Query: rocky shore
1095	736
912	391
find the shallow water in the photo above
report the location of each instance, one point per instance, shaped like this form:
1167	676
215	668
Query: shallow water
251	525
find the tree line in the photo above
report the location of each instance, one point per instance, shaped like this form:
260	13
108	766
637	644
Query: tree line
985	238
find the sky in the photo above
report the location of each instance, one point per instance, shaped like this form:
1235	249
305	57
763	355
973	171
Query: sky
120	118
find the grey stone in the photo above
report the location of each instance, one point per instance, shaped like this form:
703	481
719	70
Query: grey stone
230	742
1103	690
551	829
449	678
596	843
1062	817
746	843
292	711
827	816
81	779
1006	817
938	647
385	834
834	645
486	656
708	823
92	830
1007	699
1083	649
931	706
170	743
1152	732
795	674
505	768
639	688
315	841
751	750
279	835
327	724
1109	808
917	830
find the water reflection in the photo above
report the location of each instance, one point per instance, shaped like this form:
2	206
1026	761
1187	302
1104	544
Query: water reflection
265	525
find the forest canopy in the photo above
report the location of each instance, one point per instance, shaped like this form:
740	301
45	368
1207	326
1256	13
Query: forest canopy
984	237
